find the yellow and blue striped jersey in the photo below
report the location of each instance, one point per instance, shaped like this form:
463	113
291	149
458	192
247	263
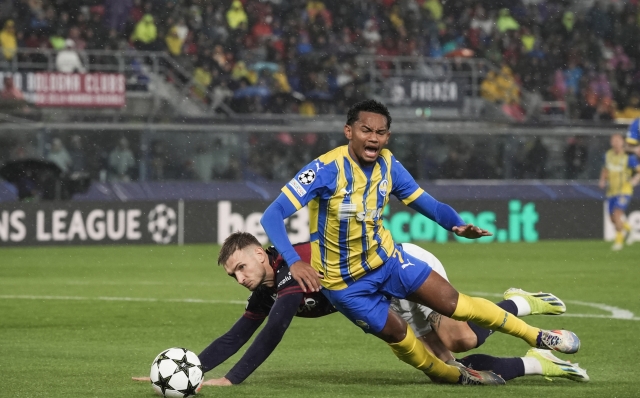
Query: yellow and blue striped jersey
619	168
345	204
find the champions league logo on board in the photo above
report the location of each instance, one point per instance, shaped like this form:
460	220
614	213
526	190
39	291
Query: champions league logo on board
162	224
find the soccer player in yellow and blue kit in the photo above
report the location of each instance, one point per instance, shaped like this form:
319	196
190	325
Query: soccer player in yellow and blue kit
633	137
616	177
356	259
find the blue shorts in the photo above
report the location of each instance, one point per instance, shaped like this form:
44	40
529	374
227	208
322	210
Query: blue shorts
618	202
366	301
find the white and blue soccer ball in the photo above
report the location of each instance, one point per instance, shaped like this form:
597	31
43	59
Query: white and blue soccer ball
176	372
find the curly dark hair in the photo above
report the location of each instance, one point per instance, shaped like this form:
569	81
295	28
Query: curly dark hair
367	106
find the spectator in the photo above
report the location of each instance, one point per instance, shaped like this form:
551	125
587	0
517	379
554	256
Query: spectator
506	22
203	162
57	41
174	42
454	166
59	155
236	16
158	161
202	80
10	92
489	88
68	60
481	22
8	40
575	157
78	157
117	13
535	160
121	162
435	9
145	34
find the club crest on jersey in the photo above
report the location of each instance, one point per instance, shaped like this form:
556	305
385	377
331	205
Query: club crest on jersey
307	177
382	187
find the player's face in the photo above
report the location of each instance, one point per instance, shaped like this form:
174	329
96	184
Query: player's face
617	142
367	137
250	267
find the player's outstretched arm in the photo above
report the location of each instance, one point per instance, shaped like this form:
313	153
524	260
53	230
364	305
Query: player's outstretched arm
229	343
273	223
446	217
221	382
470	231
280	316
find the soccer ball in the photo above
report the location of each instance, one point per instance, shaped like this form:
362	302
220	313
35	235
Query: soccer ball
176	372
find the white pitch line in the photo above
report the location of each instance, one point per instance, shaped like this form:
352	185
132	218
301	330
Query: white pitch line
615	312
132	299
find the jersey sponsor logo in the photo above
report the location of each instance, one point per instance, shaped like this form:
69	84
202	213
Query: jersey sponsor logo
382	187
369	215
285	280
298	188
615	168
347	210
307	177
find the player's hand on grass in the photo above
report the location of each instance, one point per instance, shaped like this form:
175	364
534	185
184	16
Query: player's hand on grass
306	276
223	381
470	231
147	379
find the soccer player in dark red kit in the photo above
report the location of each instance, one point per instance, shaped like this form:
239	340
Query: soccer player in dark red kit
276	295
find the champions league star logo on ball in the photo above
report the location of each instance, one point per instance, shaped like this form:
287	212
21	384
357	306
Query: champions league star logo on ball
162	224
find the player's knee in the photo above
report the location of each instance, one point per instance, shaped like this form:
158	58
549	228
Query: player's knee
458	337
464	343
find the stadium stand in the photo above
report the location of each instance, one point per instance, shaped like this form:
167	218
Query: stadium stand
305	58
301	56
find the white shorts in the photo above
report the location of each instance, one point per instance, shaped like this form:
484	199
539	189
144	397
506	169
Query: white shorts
416	314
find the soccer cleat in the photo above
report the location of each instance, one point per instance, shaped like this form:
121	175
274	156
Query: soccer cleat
470	377
558	340
540	303
553	366
616	246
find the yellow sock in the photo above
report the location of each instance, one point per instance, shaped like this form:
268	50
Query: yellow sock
413	352
488	315
619	237
626	226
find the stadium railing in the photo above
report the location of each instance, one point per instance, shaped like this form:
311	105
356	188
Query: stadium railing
139	67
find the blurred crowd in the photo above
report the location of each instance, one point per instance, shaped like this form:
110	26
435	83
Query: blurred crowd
299	56
117	157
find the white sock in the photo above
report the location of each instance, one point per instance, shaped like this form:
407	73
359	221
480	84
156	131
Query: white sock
523	305
531	366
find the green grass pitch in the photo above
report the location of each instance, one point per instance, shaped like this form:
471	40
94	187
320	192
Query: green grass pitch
81	321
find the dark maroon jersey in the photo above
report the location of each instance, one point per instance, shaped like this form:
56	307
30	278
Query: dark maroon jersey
312	305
